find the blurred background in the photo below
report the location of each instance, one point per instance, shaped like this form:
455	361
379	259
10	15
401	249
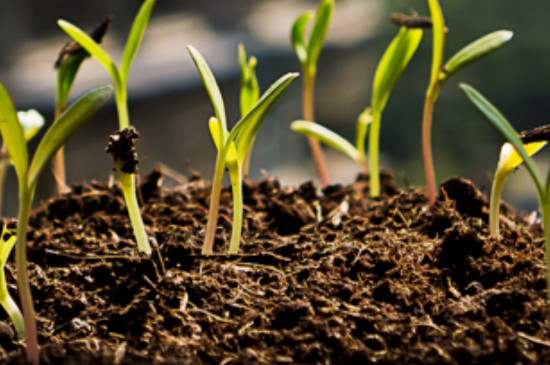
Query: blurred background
169	107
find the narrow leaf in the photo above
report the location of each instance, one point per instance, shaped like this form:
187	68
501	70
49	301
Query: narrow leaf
66	126
476	50
393	62
501	124
12	134
250	91
93	48
325	135
319	31
363	122
298	36
211	88
251	122
135	36
438	45
214	128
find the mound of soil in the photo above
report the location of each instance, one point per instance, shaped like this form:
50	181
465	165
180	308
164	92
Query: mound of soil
329	278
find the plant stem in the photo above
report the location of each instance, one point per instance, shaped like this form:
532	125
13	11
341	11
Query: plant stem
237	189
10	306
545	207
127	182
32	349
3	168
374	150
308	92
121	99
211	224
494	202
431	97
58	161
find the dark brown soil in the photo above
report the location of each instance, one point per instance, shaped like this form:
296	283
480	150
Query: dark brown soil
332	278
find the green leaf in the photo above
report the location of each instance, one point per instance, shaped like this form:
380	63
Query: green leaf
135	36
475	50
245	130
501	124
31	121
214	128
12	134
319	32
250	91
65	127
298	36
93	48
363	122
325	135
438	45
66	74
211	88
393	62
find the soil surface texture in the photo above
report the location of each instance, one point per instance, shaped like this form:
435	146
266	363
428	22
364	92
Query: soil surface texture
331	277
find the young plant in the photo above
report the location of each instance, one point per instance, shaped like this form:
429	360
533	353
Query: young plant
393	62
232	147
31	121
503	126
508	160
308	52
119	76
249	95
440	74
7	240
67	65
27	175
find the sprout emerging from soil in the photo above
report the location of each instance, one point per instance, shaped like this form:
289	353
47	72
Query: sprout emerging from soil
393	62
67	65
503	126
119	76
440	74
232	147
308	52
7	240
27	175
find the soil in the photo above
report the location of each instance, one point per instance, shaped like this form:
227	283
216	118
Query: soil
322	278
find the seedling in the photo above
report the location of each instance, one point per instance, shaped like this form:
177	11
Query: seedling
67	65
250	93
439	75
7	240
232	147
393	62
503	126
27	175
31	121
119	76
308	52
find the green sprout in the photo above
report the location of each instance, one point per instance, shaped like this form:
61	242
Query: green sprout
393	62
119	76
250	93
503	126
508	160
308	52
31	121
68	63
7	240
27	175
440	74
232	147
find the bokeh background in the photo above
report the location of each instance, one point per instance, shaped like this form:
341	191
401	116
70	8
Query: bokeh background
170	108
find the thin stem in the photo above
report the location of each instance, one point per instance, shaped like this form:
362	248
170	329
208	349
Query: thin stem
374	151
32	349
58	161
308	92
494	202
431	189
10	306
236	232
127	182
207	247
121	98
4	163
545	207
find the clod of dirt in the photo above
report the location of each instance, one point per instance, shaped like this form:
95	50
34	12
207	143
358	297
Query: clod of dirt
121	147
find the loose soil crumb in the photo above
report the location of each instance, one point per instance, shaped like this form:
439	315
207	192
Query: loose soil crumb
321	279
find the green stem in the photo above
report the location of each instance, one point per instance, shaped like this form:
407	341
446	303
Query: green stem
494	202
211	224
121	98
4	163
237	188
308	97
545	207
374	151
32	349
127	182
10	306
